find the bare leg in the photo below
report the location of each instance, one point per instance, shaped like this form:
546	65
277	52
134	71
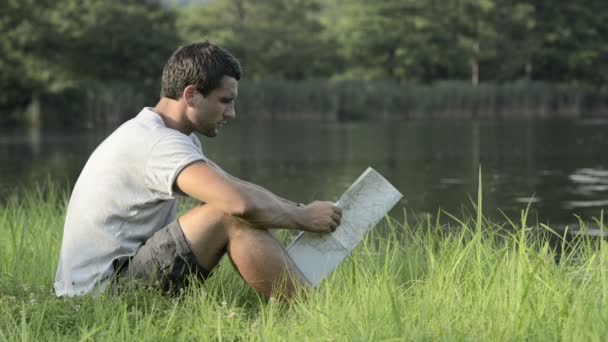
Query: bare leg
258	257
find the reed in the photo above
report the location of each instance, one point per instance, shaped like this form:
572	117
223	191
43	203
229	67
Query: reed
340	101
386	100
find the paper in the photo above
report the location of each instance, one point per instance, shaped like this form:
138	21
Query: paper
363	205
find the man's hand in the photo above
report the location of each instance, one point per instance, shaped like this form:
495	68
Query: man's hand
320	217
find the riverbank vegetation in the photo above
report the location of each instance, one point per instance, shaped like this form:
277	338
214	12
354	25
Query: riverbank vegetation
415	279
339	100
89	62
347	100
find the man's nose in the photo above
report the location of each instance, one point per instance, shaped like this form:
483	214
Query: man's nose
230	112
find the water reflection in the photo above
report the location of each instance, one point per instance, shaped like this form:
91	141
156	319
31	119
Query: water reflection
34	140
591	185
526	200
556	167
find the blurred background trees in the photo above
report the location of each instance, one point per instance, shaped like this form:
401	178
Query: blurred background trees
79	46
53	47
272	38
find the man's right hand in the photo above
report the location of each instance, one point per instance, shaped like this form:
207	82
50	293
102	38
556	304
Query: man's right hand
320	217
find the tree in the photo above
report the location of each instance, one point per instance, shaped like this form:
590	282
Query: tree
471	23
573	41
272	38
113	39
519	40
388	39
22	34
51	46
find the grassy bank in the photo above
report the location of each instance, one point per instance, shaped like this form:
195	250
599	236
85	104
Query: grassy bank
409	280
338	101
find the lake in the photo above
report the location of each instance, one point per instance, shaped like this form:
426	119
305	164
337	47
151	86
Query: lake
560	168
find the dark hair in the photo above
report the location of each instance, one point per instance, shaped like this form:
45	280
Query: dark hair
202	65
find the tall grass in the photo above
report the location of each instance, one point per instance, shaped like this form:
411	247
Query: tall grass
411	280
88	105
340	101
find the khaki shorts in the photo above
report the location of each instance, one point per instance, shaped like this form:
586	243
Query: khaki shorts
165	261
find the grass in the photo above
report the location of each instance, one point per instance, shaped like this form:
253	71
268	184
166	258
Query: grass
410	280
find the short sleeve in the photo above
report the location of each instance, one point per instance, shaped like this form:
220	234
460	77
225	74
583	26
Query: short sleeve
167	158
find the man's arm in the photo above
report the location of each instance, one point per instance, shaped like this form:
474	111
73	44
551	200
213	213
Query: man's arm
253	203
248	184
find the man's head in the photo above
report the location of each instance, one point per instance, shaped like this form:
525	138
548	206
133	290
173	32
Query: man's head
204	78
202	65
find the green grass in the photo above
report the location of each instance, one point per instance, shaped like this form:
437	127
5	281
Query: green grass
476	280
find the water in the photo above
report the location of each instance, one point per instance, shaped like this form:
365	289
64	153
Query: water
559	168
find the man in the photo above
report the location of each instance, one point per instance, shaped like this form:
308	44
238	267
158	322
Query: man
121	222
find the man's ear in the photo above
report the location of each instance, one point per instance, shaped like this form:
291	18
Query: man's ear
189	95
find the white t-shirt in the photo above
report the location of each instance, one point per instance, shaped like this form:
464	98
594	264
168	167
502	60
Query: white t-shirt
122	197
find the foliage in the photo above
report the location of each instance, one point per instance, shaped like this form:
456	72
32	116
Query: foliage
273	38
417	40
388	40
63	47
346	100
51	46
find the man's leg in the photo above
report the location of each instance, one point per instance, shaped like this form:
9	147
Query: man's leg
259	258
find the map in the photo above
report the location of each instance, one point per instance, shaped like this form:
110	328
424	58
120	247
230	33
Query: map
363	205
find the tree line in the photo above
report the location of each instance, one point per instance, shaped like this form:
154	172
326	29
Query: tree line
61	47
410	40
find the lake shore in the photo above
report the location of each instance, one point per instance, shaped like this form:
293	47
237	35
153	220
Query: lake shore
333	101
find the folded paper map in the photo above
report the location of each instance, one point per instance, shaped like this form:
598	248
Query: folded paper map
363	205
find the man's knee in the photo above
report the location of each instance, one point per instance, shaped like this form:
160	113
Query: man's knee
209	232
206	217
238	228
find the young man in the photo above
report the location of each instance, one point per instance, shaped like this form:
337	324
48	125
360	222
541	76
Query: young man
121	221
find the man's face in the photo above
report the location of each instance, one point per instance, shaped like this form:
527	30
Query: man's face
212	112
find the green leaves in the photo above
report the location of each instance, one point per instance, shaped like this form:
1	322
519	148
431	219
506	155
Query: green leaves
50	46
273	38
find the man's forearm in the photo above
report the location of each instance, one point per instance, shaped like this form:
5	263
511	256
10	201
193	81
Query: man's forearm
250	185
270	210
255	186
